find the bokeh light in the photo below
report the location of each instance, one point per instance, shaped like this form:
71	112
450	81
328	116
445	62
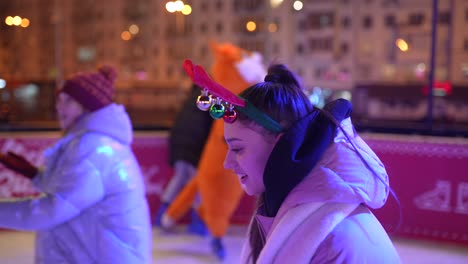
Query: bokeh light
17	20
402	44
275	3
178	5
9	20
298	5
25	22
134	29
251	26
170	7
126	35
187	10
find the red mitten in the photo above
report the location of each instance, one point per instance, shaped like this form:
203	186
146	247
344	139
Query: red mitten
18	164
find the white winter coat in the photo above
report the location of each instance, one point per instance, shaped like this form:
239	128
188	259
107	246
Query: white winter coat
92	207
323	219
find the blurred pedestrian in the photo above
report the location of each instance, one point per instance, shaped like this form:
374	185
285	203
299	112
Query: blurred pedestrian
92	206
187	138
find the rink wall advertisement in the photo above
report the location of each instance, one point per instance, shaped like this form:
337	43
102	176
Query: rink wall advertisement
430	178
429	175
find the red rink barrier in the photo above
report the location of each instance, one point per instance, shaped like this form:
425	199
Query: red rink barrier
428	174
151	149
430	177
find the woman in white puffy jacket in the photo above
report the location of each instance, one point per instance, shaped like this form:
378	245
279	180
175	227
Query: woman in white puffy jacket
314	177
92	206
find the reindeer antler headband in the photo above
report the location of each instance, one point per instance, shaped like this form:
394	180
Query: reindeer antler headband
225	103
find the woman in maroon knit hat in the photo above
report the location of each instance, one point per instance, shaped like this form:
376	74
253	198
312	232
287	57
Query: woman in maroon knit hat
92	207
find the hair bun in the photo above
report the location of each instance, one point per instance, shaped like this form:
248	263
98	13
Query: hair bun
109	72
280	73
272	78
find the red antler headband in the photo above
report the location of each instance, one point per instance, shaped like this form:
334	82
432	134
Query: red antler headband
235	103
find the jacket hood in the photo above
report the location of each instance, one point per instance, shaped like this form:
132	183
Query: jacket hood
342	176
298	151
111	120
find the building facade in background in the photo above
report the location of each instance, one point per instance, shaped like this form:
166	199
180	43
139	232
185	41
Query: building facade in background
334	45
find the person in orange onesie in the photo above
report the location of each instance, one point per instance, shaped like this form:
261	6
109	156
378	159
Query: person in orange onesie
219	189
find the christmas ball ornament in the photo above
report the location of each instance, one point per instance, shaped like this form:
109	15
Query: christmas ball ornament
204	102
230	115
217	109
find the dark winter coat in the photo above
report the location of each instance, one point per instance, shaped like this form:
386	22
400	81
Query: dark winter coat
190	131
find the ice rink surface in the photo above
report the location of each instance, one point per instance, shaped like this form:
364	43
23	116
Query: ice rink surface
179	247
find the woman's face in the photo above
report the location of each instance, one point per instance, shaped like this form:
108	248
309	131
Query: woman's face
68	110
247	155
